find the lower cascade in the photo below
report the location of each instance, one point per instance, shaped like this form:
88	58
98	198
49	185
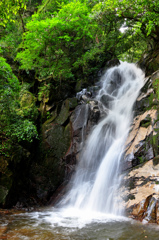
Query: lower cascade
94	186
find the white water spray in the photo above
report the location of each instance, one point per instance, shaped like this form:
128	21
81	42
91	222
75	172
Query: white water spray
96	181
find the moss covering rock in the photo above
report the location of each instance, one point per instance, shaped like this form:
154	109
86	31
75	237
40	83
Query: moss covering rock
48	172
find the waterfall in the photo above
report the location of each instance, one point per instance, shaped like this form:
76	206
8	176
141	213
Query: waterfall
95	184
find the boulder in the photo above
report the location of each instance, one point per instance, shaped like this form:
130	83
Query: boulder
83	118
138	185
64	113
147	209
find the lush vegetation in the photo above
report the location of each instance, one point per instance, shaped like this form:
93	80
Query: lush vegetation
48	48
17	110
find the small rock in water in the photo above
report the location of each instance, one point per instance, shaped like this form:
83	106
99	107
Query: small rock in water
84	94
84	98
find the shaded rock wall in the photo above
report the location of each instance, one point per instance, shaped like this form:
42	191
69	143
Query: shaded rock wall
142	142
14	173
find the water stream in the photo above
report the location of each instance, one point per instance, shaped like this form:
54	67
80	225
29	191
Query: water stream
92	208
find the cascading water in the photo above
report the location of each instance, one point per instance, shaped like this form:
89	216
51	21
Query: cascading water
96	181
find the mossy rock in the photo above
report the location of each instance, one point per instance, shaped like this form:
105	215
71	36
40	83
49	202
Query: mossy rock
72	103
78	86
58	140
46	124
27	100
64	114
28	105
49	171
48	175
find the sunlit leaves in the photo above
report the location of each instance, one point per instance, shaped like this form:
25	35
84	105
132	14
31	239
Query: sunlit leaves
9	9
47	43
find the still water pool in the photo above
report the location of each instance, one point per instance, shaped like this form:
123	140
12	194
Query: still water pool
73	224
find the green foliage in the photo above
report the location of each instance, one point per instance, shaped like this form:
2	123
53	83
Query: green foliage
48	8
133	46
141	160
140	25
48	43
16	120
65	36
156	87
9	9
27	102
10	39
44	91
141	15
22	130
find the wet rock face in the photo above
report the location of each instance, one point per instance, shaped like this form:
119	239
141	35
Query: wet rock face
141	144
140	189
83	118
